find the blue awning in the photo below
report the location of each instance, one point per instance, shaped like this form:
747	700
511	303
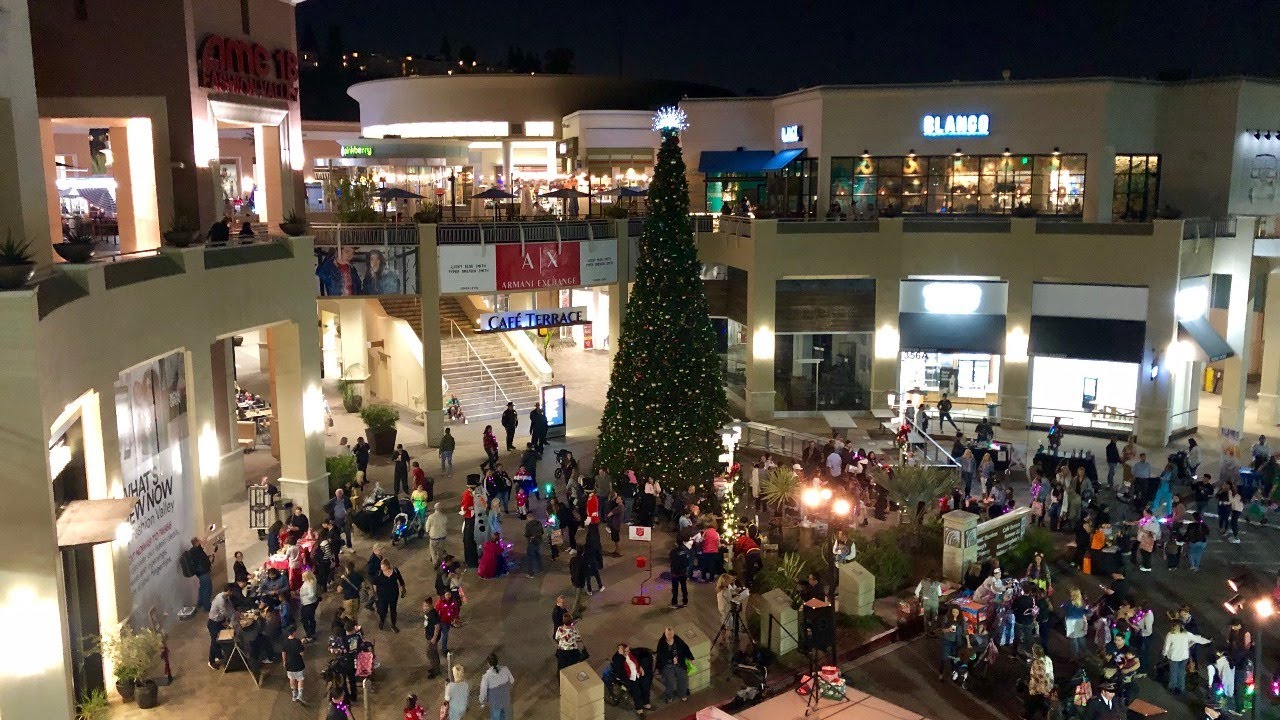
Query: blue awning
745	161
1210	342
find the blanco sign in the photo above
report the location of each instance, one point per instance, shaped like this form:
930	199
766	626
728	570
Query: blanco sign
532	319
957	125
791	133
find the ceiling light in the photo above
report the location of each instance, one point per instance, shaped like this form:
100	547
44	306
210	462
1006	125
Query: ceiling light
1056	151
1006	152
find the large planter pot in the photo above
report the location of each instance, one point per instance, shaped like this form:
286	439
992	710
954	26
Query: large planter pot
79	253
126	690
148	695
13	277
181	238
293	229
382	443
352	404
788	537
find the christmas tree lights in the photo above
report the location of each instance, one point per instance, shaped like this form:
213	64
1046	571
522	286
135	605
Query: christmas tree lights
666	400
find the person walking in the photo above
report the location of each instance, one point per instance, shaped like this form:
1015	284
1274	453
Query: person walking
457	694
361	450
672	654
495	689
680	559
1113	462
568	642
510	421
578	577
447	443
1040	683
447	611
537	428
490	443
1177	650
309	598
944	413
1076	623
401	459
431	629
389	587
1236	502
437	529
533	533
295	667
967	468
339	511
1197	540
350	583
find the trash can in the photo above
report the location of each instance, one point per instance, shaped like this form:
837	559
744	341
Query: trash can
991	410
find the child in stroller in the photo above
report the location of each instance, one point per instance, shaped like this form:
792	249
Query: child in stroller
406	525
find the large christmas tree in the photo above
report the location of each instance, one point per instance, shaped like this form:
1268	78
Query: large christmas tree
666	400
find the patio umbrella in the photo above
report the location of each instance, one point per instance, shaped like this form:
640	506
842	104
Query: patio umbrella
564	194
494	193
385	194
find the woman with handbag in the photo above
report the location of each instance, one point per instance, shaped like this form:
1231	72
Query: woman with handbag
569	648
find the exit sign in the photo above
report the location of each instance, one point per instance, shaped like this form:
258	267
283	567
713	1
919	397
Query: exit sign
357	151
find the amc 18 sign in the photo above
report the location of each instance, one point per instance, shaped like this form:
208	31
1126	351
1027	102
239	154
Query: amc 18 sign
242	67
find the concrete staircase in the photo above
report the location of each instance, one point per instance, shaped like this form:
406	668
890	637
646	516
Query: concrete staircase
465	375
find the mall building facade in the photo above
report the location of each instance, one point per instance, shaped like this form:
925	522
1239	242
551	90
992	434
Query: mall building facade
118	376
1009	243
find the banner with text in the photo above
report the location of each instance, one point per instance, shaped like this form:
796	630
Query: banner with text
512	267
151	418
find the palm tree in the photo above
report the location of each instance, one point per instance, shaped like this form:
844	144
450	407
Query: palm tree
780	488
911	485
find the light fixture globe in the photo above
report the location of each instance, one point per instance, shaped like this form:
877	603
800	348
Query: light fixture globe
670	117
1191	303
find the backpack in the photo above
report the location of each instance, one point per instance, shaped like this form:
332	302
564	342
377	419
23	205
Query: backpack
185	564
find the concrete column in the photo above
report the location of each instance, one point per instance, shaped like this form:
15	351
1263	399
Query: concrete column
700	645
207	450
620	292
48	158
353	344
1269	392
1015	367
298	408
779	622
36	683
1234	257
581	693
885	341
761	304
271	176
432	365
23	209
231	478
134	170
508	162
958	528
1099	184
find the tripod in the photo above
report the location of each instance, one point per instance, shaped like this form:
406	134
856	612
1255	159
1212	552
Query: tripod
733	624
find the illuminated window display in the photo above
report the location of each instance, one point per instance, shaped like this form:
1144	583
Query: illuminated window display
1084	393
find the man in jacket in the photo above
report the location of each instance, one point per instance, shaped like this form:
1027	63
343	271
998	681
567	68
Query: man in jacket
447	443
533	533
339	511
944	413
201	564
538	427
1113	462
510	421
1105	705
437	528
401	459
680	561
672	654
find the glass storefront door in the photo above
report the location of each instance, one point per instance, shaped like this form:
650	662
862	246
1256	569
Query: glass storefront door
822	371
971	380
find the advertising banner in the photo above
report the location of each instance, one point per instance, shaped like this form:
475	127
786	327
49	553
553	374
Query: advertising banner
512	267
538	266
351	270
151	419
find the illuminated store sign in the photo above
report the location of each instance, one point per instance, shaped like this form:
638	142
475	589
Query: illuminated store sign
532	319
791	133
357	151
238	66
952	298
957	125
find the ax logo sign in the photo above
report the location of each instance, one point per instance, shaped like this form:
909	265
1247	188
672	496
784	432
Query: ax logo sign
538	265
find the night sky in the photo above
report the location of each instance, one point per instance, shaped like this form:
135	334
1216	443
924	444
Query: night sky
767	47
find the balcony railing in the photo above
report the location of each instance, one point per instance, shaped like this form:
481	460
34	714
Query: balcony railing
522	232
329	234
1196	228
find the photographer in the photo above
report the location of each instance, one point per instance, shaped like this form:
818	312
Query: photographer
730	597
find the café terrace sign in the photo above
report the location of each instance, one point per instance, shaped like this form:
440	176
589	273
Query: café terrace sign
532	319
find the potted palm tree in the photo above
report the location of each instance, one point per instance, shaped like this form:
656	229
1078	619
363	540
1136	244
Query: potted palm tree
917	488
183	232
93	706
779	490
349	387
16	264
77	247
132	654
293	226
380	427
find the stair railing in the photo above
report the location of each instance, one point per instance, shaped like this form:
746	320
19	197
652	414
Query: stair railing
471	350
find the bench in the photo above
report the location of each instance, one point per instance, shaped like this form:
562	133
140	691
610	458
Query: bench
1143	709
839	421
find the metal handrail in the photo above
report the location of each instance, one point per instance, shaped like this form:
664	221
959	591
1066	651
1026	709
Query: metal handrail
453	325
777	440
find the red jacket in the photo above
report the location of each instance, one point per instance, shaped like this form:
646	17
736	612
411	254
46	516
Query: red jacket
593	509
468	503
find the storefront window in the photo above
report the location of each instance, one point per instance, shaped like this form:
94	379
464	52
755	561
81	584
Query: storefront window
1137	187
830	371
968	378
1084	393
731	346
960	184
730	190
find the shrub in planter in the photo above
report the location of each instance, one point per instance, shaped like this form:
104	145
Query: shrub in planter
351	397
341	469
380	427
148	694
132	654
615	212
93	706
76	248
1036	540
427	214
16	264
890	211
293	226
1023	210
183	232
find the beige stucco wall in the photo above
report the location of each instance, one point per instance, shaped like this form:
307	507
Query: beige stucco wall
1019	256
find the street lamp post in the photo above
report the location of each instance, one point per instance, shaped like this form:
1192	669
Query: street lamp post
1263	609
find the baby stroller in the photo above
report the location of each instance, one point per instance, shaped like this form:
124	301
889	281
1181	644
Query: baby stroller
366	663
405	526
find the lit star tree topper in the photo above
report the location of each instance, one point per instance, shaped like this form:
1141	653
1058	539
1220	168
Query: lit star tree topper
666	401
